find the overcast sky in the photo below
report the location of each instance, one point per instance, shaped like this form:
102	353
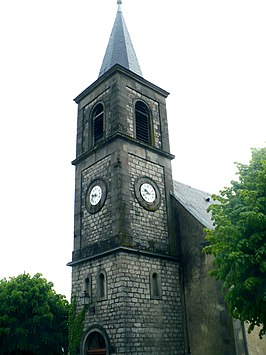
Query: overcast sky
209	54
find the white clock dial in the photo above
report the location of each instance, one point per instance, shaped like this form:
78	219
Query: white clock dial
148	193
95	195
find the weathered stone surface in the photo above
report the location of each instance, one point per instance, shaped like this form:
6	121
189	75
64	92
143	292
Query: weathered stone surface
135	323
125	241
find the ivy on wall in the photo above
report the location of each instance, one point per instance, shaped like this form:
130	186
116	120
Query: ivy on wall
75	326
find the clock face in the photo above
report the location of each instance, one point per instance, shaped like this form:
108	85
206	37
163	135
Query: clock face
95	195
148	193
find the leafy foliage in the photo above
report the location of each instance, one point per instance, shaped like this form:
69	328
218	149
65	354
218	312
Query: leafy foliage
75	326
33	318
238	242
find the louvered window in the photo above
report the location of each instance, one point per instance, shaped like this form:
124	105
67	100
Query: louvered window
142	117
97	119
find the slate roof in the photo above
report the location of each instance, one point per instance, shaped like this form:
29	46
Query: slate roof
194	201
120	48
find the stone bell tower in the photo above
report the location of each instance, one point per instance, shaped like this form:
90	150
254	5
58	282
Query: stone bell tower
125	265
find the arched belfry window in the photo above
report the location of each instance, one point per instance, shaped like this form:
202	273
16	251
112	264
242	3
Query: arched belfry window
98	122
155	285
142	121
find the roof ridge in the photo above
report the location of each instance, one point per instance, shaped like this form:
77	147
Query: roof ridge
193	188
195	201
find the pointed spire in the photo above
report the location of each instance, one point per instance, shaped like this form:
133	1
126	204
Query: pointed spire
120	48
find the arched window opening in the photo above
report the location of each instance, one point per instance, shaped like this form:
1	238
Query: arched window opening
155	285
102	289
86	291
142	117
87	285
97	122
95	344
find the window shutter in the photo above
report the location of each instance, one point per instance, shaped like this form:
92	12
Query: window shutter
97	119
142	122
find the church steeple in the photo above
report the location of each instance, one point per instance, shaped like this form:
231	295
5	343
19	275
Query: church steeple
120	48
125	258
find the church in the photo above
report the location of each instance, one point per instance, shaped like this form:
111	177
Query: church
137	263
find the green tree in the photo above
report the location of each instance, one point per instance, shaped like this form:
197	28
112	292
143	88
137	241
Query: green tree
238	242
33	318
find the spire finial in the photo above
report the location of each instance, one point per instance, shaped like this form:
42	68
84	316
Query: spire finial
120	48
119	3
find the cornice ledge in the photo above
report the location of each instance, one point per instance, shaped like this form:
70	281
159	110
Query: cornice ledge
125	71
126	250
126	138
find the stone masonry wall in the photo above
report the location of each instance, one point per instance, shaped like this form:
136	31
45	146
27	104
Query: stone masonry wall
208	323
97	226
135	323
84	134
149	229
